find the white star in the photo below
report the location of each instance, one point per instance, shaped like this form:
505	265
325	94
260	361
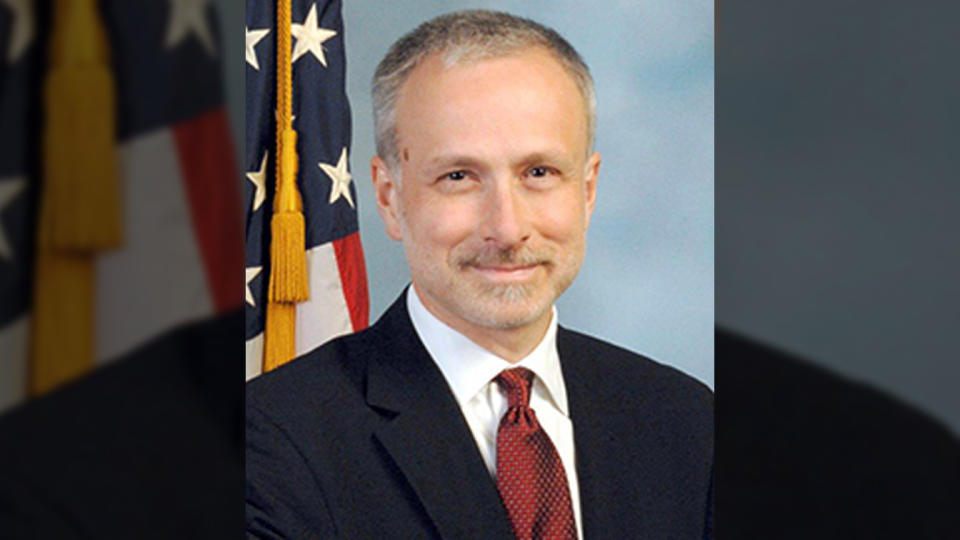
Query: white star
310	37
341	179
259	179
9	189
252	272
22	31
254	37
189	17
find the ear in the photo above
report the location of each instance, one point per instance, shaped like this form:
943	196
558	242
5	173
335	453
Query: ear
590	184
386	191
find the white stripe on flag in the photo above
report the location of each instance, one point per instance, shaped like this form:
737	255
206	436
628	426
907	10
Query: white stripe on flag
254	356
158	273
321	318
14	344
325	315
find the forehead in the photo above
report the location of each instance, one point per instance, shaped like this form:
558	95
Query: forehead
527	93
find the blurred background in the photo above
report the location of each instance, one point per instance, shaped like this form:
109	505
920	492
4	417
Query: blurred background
134	121
120	257
838	191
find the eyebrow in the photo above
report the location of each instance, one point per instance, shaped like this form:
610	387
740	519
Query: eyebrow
453	160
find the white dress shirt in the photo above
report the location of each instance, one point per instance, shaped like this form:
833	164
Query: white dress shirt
470	369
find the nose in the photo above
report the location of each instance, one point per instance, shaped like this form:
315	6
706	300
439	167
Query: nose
505	222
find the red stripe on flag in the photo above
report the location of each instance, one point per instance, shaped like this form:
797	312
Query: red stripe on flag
209	175
353	276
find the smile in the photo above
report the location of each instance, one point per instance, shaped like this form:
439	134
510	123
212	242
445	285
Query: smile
506	273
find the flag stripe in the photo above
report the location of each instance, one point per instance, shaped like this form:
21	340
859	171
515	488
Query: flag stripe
254	356
13	369
160	265
209	175
353	275
325	315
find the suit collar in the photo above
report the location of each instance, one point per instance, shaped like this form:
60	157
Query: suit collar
468	367
426	434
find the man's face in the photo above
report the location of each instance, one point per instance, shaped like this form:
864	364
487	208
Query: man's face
496	189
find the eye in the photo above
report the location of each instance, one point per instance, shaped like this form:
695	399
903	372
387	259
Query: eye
543	173
455	175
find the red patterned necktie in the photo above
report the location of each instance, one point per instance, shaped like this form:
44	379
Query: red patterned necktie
530	475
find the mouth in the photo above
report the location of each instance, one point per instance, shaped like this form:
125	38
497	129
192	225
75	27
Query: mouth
504	273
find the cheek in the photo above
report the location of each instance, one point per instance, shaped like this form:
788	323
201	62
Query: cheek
438	221
562	216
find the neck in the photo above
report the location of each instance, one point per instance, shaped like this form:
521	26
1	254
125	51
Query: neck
512	344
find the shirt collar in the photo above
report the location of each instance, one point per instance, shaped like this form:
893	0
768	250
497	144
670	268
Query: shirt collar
468	367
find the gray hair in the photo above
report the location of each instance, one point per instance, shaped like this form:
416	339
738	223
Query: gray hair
460	37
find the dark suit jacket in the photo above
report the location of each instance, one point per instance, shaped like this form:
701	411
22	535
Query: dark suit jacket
147	447
362	438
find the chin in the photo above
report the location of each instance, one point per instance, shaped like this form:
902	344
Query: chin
507	306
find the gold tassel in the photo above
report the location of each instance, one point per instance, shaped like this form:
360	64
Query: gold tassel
80	181
62	325
288	259
80	205
279	341
288	263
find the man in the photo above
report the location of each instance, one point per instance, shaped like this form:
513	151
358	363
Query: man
466	411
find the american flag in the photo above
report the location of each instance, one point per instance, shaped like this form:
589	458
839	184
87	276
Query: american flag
182	243
338	302
20	62
180	185
155	434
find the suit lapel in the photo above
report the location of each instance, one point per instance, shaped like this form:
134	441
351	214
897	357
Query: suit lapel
427	436
601	434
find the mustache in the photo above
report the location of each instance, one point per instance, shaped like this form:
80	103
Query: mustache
492	256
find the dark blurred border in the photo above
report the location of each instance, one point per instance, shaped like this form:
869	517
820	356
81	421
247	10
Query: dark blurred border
147	442
837	188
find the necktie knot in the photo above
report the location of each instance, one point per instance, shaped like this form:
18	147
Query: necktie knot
516	383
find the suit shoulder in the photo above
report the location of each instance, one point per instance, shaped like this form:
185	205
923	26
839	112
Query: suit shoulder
330	372
627	372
